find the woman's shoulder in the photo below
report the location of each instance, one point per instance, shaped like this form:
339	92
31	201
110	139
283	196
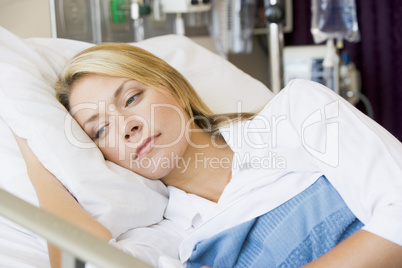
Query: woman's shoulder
299	100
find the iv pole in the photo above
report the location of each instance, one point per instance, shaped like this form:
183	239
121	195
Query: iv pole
274	16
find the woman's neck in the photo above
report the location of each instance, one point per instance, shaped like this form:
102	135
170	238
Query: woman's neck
206	169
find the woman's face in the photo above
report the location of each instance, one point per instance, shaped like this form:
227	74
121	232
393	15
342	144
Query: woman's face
135	126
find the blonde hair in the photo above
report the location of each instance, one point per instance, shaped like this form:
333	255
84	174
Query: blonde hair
123	60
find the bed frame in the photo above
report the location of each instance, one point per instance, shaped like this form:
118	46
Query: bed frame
78	246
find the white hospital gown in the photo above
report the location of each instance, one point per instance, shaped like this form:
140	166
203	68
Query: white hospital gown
304	132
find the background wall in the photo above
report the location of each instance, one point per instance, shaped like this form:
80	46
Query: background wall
26	18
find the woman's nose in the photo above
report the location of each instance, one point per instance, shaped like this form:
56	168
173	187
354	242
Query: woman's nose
131	128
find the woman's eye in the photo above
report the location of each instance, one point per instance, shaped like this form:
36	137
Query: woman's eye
100	132
133	99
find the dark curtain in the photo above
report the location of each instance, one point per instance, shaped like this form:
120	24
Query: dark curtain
378	55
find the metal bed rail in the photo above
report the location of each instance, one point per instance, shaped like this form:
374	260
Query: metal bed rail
77	245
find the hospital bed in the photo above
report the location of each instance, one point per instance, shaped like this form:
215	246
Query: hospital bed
77	245
117	198
125	202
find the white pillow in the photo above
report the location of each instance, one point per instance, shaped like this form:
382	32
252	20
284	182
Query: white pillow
116	197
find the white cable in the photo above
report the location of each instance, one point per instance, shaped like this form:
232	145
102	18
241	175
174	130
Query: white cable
330	54
366	102
328	64
179	25
135	10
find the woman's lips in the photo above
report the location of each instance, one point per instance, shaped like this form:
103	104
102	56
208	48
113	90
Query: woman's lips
146	146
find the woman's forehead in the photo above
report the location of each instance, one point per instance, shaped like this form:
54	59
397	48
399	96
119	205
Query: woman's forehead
95	88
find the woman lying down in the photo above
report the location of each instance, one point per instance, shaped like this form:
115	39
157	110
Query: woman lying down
308	180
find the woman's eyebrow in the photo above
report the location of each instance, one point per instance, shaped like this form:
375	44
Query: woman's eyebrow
119	89
92	118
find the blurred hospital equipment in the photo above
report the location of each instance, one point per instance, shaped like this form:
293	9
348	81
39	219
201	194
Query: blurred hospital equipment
275	14
124	20
334	21
307	62
231	24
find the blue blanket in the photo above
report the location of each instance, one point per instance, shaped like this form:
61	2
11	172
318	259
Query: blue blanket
293	234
